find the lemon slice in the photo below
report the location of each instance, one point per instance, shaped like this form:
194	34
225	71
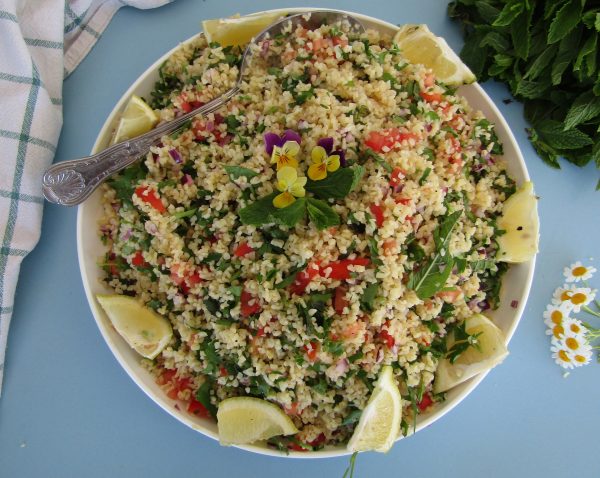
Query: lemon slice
490	352
143	329
379	424
138	118
419	45
243	420
520	221
237	31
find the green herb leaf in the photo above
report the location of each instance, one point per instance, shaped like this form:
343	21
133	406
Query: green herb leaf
552	132
238	171
367	301
510	11
565	20
584	108
336	185
321	213
203	396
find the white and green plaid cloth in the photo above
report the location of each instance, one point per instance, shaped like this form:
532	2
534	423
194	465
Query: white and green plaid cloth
41	43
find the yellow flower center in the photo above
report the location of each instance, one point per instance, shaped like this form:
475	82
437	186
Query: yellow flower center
563	356
558	331
579	271
572	343
575	328
556	317
566	295
578	298
579	358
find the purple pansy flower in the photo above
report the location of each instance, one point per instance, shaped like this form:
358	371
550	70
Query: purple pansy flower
273	139
327	145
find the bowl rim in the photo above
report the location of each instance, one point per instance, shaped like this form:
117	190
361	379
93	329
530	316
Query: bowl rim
167	404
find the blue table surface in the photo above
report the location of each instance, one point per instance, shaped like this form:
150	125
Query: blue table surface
68	409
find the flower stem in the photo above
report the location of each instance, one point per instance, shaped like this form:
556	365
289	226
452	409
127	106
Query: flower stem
590	311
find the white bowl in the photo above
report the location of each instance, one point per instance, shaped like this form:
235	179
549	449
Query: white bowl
516	283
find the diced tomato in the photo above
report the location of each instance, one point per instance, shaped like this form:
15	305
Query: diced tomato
429	80
387	139
312	349
196	104
377	211
194	279
149	196
339	269
425	402
456	144
223	371
431	97
402	200
166	376
185	106
260	332
397	176
177	385
297	447
138	260
450	296
389	246
242	249
319	43
352	330
303	278
317	441
339	41
249	304
340	302
196	408
387	338
292	409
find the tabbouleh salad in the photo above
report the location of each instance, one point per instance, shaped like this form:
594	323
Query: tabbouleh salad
337	215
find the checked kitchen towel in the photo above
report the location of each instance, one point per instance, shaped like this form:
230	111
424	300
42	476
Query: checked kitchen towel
40	44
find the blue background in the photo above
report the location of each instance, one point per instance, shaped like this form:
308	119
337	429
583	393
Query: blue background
68	410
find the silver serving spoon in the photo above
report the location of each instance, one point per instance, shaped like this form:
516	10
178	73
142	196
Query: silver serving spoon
71	182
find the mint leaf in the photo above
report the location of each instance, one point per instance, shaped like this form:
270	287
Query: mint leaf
496	40
367	301
336	185
203	396
565	20
510	11
290	215
520	33
541	62
552	132
258	212
488	12
584	108
434	281
238	171
321	213
262	212
567	52
359	172
587	50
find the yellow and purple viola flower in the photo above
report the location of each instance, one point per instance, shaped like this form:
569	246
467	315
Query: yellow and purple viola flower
290	185
283	149
324	160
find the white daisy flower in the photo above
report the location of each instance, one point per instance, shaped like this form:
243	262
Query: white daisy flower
555	314
574	327
578	272
573	297
582	358
561	355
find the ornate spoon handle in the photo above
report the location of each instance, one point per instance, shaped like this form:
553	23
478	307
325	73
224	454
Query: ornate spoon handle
71	182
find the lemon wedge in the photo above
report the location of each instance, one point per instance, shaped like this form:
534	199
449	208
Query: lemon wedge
419	45
143	329
237	31
491	350
520	221
138	118
243	420
379	424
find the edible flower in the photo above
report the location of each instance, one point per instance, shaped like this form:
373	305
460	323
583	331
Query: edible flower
285	156
273	139
578	272
290	185
322	161
574	297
